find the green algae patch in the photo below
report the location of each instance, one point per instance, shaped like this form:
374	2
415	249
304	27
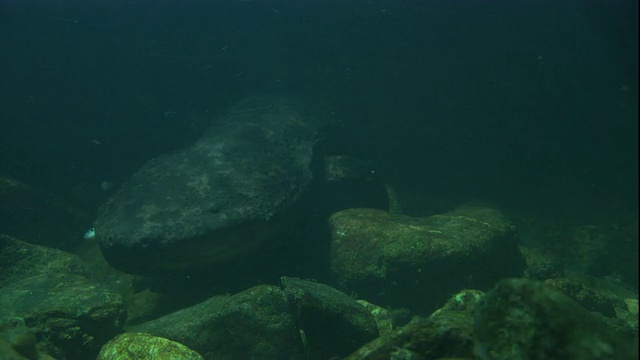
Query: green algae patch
134	346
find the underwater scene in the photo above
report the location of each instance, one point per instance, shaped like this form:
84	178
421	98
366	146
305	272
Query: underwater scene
319	179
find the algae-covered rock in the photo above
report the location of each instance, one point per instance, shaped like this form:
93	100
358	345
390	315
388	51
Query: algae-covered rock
140	346
383	317
73	315
254	324
524	319
21	260
299	320
47	290
400	261
588	297
333	324
447	333
600	251
541	265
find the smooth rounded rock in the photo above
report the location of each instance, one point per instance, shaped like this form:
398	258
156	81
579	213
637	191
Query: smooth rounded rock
141	346
400	261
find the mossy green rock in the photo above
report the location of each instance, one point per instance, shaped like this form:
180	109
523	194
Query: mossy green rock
21	260
400	261
254	324
140	346
525	319
48	289
447	333
72	314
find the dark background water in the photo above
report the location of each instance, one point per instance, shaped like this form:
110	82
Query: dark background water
530	105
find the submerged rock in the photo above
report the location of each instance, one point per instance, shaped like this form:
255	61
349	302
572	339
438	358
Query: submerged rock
134	346
517	319
524	319
73	315
399	261
299	320
446	334
589	297
216	199
332	324
254	324
47	296
21	260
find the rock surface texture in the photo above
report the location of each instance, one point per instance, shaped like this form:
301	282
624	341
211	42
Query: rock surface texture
48	294
400	261
299	320
134	346
218	198
524	319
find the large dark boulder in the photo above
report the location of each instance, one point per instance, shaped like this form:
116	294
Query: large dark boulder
231	190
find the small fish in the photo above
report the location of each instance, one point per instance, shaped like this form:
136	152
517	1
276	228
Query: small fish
90	234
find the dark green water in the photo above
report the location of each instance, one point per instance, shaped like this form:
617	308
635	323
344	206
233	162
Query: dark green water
528	105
